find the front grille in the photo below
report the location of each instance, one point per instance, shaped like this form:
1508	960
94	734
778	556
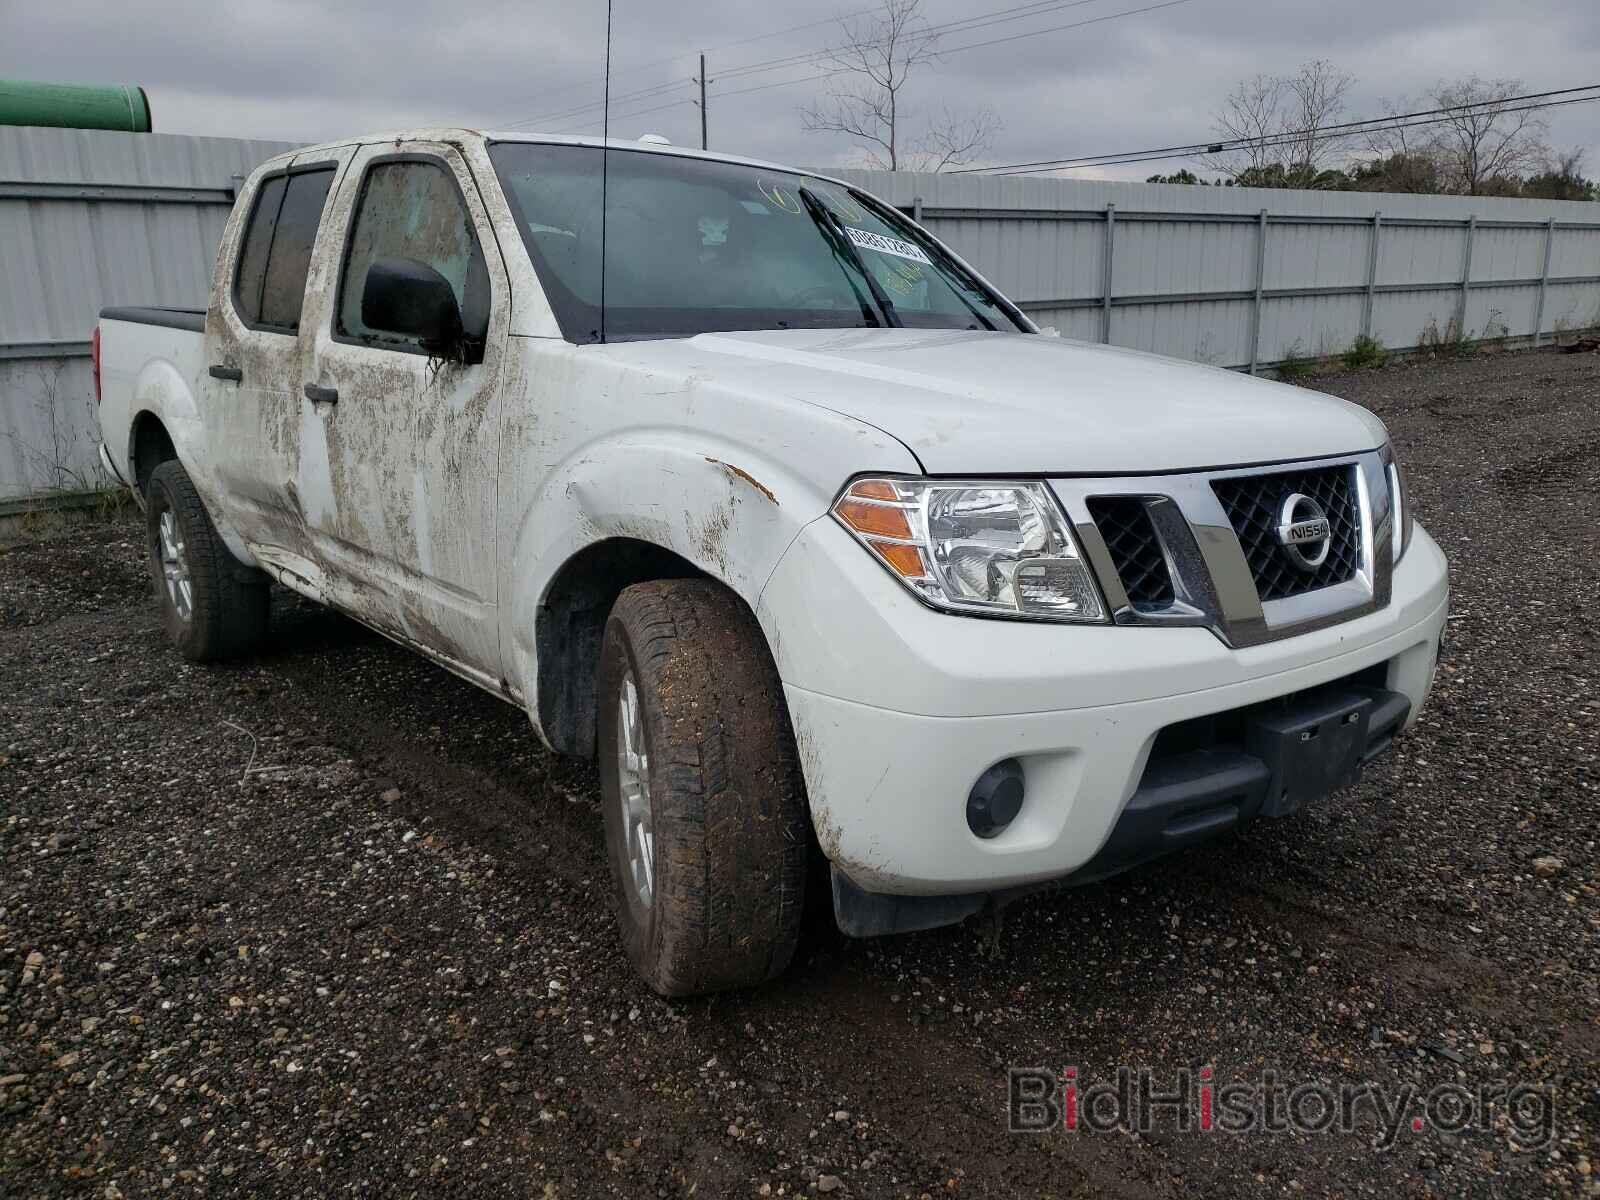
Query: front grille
1130	536
1252	503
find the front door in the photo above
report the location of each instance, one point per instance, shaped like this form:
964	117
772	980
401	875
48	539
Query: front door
398	448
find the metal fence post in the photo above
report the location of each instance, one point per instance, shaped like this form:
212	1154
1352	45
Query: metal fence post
1105	281
1261	277
1372	275
916	209
1544	279
1466	278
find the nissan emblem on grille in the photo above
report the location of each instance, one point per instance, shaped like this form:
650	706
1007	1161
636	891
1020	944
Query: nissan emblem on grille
1304	532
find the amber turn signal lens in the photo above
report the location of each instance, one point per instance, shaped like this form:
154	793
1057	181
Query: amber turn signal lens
879	520
875	489
907	560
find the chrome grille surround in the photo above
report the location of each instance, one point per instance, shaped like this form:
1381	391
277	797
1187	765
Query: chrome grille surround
1212	582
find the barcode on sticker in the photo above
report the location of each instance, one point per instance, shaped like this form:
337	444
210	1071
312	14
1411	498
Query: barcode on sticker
886	245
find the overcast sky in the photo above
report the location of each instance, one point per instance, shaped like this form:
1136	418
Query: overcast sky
311	70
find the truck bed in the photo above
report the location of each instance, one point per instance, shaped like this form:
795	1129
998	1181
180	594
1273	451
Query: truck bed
150	359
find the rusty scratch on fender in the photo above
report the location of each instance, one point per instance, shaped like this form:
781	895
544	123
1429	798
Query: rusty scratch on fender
736	472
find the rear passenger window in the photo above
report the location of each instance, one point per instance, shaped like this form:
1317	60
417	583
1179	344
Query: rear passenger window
412	210
253	254
270	285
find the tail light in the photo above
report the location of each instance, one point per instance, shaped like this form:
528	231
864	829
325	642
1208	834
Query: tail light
94	361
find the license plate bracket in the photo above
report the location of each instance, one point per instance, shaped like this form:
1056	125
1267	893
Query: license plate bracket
1311	749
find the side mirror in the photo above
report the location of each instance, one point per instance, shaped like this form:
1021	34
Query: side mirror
410	298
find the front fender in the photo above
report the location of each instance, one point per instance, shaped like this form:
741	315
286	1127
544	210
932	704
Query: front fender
729	512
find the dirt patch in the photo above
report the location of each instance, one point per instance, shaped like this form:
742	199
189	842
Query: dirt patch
330	921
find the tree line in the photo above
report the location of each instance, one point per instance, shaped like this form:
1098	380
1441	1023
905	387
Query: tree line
1479	138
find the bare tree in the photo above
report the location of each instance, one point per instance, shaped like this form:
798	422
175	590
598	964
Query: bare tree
953	140
1483	136
1561	179
875	56
1478	143
1315	102
1282	124
1251	114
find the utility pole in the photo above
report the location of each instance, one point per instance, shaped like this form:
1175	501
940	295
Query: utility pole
702	81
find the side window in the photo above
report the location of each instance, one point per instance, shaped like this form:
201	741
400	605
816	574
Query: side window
252	268
284	291
412	210
270	283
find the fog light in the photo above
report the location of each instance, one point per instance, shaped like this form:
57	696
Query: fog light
996	799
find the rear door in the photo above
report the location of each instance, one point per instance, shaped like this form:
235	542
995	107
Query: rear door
251	408
400	451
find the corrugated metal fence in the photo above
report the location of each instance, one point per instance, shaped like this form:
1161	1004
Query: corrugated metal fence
1247	277
1233	276
88	219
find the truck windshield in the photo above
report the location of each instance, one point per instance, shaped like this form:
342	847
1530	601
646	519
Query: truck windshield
697	246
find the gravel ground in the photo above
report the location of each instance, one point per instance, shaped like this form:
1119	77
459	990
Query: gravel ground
329	921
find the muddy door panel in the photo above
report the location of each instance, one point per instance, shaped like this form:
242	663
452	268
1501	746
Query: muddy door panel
252	375
399	405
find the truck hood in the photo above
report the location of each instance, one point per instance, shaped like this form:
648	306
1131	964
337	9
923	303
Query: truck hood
974	402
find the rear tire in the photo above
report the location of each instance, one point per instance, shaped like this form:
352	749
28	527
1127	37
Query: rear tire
709	885
213	606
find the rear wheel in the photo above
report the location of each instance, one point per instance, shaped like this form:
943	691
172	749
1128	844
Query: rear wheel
213	606
705	808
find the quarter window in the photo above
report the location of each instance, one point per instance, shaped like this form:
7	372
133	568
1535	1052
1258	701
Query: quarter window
270	283
252	268
413	210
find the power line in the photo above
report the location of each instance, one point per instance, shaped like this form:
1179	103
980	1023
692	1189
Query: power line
1366	125
1015	37
1213	146
621	117
1020	12
812	57
656	62
957	49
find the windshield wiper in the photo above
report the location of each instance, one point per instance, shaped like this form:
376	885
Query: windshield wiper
969	282
833	229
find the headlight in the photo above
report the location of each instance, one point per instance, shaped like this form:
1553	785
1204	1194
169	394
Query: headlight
994	547
1399	506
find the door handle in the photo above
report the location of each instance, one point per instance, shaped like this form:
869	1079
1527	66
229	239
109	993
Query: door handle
231	374
318	394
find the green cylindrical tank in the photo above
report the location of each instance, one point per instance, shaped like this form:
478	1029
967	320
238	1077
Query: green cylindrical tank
74	105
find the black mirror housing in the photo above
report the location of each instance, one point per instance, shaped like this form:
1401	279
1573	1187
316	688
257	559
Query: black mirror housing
410	298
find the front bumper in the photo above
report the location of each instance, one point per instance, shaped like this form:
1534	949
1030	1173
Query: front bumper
897	710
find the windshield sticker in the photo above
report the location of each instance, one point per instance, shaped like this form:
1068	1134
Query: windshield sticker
902	277
886	245
779	196
843	205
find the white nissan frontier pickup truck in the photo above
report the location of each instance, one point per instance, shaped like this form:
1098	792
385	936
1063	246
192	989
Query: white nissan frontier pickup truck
734	478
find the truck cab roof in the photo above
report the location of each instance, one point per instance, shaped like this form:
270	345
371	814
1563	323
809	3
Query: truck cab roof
458	134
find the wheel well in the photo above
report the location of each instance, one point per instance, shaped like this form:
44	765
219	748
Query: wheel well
151	447
571	622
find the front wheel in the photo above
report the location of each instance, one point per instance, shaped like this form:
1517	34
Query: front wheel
705	808
212	605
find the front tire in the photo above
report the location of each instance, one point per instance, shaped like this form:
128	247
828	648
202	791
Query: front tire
213	606
705	807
